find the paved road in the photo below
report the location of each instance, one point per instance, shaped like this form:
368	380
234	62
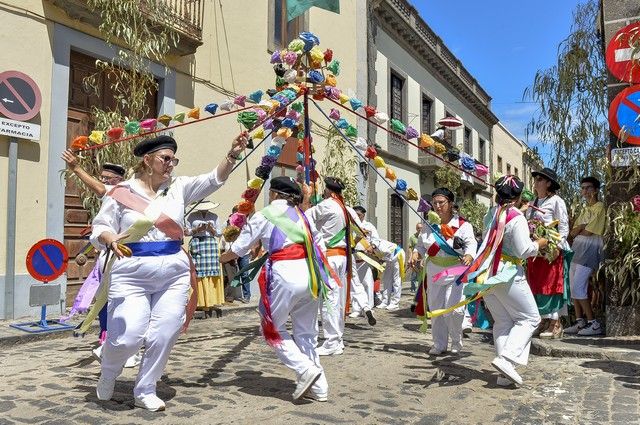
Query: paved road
222	372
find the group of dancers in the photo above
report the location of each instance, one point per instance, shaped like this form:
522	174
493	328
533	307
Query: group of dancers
319	262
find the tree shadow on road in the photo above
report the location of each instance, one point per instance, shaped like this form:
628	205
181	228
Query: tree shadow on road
122	396
628	373
255	384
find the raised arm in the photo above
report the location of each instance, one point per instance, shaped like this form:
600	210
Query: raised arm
95	185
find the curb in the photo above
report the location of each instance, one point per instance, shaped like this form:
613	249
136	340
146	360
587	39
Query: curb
562	349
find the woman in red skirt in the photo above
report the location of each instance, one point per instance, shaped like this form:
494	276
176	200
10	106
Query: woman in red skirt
549	280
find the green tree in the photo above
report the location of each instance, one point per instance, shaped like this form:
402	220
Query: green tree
340	161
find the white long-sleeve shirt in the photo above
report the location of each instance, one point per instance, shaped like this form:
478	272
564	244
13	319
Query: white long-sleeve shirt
180	191
196	219
259	228
517	241
554	209
465	231
329	218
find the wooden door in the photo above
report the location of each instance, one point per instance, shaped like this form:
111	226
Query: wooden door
396	220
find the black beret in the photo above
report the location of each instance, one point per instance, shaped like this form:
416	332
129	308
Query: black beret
334	184
443	191
114	168
285	185
155	144
594	181
508	187
360	209
263	172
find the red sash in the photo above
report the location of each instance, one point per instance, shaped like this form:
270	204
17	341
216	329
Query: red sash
448	232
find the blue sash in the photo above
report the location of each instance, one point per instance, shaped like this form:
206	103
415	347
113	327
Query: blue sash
441	241
154	249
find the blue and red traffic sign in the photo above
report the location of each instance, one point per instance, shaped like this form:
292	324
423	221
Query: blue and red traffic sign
47	260
624	115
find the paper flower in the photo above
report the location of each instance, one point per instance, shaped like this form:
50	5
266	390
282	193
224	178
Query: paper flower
332	92
96	137
296	45
299	157
424	205
360	144
355	103
115	133
263	172
351	131
226	105
280	82
238	220
149	124
426	141
411	195
284	132
371	152
397	126
79	142
343	98
309	40
211	108
240	100
316	54
293	114
276	124
369	111
165	119
194	113
433	218
635	201
274	151
248	119
378	162
255	183
439	148
289	123
328	55
468	163
278	141
526	195
256	96
411	133
342	124
334	67
298	107
334	114
250	195
269	161
279	69
132	127
390	174
179	117
231	233
259	134
261	113
245	207
381	118
315	77
401	185
290	58
331	80
268	124
299	169
276	57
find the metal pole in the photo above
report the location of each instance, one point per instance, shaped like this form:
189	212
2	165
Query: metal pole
10	274
307	139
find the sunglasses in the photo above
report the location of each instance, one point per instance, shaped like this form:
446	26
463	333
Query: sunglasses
108	179
168	159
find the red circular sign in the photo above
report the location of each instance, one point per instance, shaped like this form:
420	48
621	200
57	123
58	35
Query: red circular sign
624	113
47	260
20	97
620	59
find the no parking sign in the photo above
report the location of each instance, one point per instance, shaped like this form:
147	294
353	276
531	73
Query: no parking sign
47	260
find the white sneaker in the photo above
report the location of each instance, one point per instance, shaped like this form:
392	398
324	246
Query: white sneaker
506	368
503	382
150	402
382	306
104	389
393	307
592	328
312	395
97	353
306	380
573	330
435	351
133	361
323	351
456	348
355	314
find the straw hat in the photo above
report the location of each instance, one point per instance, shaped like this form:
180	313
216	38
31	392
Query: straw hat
206	206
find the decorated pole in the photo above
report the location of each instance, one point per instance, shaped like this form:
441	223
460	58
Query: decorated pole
307	139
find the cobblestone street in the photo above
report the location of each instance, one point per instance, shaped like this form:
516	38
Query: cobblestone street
222	372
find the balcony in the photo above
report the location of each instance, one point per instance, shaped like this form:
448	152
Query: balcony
183	16
430	163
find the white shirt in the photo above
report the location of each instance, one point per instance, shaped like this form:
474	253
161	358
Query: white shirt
196	219
517	242
182	191
329	219
555	209
370	229
465	231
259	228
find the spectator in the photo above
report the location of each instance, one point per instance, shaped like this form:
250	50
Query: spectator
416	267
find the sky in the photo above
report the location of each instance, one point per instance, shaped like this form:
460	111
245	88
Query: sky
502	44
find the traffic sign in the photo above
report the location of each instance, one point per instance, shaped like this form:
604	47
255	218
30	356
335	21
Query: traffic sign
624	115
47	260
621	60
20	97
19	129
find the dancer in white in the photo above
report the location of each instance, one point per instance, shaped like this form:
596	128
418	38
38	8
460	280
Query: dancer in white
148	290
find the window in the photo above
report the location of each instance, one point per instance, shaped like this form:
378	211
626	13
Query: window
517	174
448	134
426	115
396	227
482	154
499	164
508	168
468	148
397	98
282	32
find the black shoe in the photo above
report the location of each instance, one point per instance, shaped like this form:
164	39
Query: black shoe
370	318
413	308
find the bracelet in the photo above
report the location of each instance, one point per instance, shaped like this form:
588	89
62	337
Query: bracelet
235	157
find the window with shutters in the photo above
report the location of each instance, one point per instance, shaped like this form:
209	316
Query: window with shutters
427	105
508	168
499	164
516	173
482	154
396	111
396	222
468	148
281	31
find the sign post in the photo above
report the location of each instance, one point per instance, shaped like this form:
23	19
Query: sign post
20	100
46	261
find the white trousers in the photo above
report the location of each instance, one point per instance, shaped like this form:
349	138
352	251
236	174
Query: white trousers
391	283
579	281
333	314
147	299
365	276
359	296
290	297
516	317
443	295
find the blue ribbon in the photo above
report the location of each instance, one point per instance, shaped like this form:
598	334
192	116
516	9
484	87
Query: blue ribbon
154	249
